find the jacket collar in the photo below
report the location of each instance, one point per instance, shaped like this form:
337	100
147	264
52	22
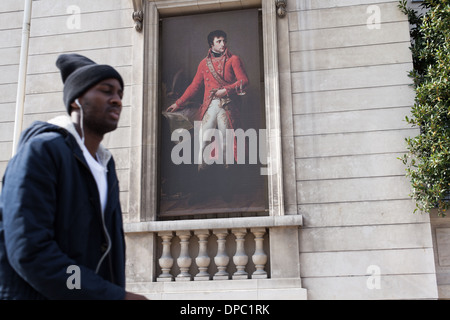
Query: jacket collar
227	54
103	154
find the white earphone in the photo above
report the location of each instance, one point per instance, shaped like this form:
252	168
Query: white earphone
81	124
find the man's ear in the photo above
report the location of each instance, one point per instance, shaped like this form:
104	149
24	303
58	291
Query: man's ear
74	106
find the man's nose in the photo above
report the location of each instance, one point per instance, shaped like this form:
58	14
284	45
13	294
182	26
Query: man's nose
117	100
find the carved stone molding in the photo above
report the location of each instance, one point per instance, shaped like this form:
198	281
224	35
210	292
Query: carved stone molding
138	14
281	8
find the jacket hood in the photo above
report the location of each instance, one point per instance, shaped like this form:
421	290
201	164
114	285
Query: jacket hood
64	126
103	154
37	128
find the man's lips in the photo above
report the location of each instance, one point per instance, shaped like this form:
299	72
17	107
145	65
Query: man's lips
114	113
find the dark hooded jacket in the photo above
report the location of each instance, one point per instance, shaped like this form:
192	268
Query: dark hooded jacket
54	241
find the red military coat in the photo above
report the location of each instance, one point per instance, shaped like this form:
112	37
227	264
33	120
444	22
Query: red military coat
231	72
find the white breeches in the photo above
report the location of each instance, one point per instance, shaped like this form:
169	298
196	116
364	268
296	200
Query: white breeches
214	124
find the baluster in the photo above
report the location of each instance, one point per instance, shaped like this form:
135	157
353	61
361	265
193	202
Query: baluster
240	258
184	261
202	259
221	259
166	260
259	258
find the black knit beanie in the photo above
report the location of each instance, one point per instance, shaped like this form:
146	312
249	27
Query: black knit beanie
79	74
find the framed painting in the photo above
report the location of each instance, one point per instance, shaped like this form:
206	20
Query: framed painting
212	121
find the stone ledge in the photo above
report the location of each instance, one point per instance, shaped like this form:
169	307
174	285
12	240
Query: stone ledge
228	223
444	291
252	289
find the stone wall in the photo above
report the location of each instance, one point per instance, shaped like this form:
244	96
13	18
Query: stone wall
11	17
350	62
60	27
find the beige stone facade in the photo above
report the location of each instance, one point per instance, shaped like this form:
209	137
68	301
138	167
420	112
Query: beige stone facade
340	223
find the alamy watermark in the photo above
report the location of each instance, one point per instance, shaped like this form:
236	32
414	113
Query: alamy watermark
74	20
374	280
74	280
236	147
374	20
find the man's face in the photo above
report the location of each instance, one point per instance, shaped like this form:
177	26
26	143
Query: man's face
102	105
219	44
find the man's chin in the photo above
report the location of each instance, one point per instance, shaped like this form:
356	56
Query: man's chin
107	128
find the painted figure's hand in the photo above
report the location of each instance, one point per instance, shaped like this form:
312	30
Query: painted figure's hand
173	108
221	93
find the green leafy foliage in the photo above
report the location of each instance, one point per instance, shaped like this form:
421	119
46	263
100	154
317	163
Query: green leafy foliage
428	158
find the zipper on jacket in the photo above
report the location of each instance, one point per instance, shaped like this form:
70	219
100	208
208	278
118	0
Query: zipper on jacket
105	230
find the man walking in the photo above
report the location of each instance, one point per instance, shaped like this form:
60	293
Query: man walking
61	233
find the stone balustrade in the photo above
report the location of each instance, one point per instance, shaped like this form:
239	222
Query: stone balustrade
216	249
221	261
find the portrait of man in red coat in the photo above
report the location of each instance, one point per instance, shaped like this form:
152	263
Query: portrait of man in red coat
214	100
222	77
